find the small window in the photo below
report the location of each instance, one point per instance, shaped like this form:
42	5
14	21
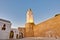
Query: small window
4	27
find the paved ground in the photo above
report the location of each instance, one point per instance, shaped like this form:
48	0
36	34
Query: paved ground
40	38
34	38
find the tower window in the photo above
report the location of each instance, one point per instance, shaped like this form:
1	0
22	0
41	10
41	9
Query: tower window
4	27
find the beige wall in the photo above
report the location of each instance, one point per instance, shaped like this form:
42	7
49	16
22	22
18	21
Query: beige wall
29	29
48	28
22	30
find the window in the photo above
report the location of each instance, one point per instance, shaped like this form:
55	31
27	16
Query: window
4	27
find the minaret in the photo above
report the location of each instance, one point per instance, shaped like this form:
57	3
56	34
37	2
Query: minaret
29	24
29	16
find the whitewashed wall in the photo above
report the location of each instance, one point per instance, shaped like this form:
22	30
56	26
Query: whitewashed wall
15	32
4	34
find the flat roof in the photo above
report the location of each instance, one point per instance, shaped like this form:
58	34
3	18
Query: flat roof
5	20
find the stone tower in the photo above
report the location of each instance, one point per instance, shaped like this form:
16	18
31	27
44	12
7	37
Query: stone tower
29	24
29	16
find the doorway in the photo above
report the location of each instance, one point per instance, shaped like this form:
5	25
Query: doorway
11	34
17	36
21	35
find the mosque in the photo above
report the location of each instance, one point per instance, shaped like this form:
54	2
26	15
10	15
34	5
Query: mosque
48	28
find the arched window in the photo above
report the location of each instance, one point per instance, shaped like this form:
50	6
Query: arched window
4	27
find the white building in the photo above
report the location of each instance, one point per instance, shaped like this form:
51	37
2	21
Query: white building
5	27
15	33
6	32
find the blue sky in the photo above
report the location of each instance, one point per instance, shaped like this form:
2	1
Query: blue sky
15	10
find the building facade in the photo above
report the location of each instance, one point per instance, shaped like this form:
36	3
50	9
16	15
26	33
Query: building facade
48	28
5	27
6	32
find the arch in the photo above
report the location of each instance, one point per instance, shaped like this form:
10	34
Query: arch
11	34
21	35
17	36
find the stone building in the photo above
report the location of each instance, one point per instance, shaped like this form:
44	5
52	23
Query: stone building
6	32
15	33
48	28
21	32
28	29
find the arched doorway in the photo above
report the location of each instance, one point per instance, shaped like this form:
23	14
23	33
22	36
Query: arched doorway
11	34
17	36
21	35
